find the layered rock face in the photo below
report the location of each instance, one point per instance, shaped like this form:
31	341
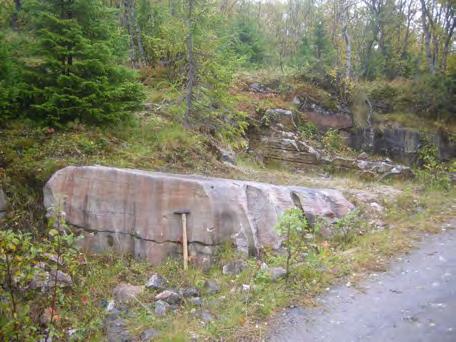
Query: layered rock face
401	144
133	211
284	147
275	143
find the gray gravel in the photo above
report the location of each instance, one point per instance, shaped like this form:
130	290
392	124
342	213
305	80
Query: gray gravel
415	301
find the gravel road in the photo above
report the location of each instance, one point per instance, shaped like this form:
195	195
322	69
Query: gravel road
414	301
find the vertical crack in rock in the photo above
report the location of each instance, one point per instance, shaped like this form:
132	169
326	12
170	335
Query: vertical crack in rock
310	217
241	240
250	194
296	201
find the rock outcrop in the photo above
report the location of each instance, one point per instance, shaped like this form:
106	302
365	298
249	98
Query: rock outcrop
377	168
284	147
277	145
132	211
284	117
401	144
330	120
259	88
324	118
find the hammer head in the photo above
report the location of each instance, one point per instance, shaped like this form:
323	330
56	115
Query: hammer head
182	211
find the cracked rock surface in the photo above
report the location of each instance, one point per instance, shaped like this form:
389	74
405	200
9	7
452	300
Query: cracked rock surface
133	211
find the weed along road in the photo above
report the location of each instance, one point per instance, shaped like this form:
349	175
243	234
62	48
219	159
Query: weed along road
414	301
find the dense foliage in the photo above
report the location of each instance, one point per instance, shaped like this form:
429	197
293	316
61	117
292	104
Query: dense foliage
64	60
68	66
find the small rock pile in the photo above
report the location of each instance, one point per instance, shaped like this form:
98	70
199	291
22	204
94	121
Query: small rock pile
47	277
167	299
260	88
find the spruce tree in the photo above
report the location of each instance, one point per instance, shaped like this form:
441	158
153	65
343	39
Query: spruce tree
77	74
323	49
10	81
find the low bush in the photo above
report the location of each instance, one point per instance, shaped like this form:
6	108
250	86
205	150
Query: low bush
433	174
308	131
333	142
430	97
298	235
36	276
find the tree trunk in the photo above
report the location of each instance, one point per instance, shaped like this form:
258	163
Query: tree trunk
410	14
172	8
191	66
427	38
367	58
137	52
126	22
348	53
435	53
142	53
446	46
14	17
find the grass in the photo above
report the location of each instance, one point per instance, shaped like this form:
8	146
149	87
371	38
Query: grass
237	314
29	155
412	104
244	315
410	121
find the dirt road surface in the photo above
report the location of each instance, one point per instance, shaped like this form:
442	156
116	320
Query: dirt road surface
414	301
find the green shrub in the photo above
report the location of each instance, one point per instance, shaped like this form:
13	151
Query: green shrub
383	96
293	226
347	227
333	142
18	256
433	97
308	131
433	173
11	85
25	261
248	41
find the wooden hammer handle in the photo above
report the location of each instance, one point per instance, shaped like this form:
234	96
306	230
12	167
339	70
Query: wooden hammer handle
184	241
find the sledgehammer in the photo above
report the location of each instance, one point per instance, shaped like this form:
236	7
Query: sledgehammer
184	213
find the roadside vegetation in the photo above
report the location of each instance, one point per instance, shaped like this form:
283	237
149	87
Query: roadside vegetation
244	302
160	86
31	153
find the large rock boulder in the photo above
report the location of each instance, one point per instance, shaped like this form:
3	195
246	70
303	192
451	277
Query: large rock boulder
124	292
132	211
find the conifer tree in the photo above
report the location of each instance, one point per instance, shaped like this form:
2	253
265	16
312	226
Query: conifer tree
322	46
10	81
78	75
